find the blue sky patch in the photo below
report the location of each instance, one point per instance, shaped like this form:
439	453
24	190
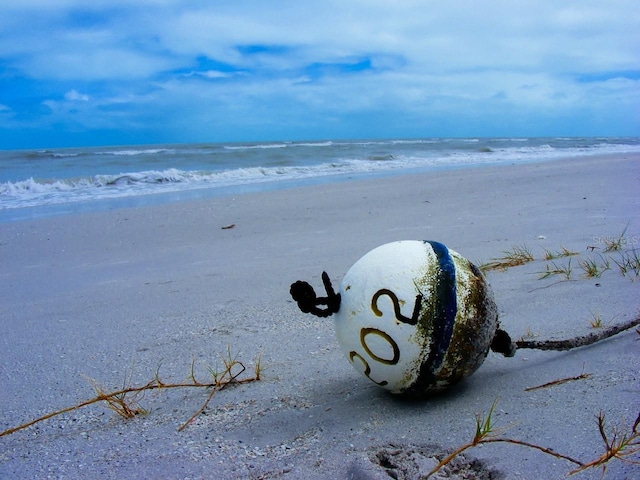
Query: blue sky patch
74	72
604	76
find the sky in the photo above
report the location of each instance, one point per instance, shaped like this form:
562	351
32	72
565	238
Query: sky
124	72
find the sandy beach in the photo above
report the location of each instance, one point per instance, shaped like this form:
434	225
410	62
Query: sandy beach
120	296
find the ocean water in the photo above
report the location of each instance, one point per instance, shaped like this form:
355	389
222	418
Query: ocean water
37	182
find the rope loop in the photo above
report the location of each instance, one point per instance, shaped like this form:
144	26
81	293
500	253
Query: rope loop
308	302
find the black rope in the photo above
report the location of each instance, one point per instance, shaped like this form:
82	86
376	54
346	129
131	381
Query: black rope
308	301
503	344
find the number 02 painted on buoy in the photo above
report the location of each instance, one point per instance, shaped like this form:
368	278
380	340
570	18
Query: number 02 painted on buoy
364	332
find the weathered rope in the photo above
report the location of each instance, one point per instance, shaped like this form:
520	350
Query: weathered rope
502	343
308	301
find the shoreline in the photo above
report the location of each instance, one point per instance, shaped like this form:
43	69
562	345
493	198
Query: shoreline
108	294
141	201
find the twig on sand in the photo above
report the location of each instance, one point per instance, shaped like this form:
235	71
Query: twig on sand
560	381
124	401
621	446
486	433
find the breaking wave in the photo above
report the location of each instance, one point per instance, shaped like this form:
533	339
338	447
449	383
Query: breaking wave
208	166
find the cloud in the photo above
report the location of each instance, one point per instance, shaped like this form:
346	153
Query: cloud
287	35
299	69
212	74
74	96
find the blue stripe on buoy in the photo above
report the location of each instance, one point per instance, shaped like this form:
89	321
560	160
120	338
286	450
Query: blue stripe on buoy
445	310
446	306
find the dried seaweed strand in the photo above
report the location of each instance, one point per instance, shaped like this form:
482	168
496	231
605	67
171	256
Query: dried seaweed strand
559	382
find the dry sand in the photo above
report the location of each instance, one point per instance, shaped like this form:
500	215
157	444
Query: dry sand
114	294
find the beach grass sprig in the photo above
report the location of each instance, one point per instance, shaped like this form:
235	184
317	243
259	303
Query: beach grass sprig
232	369
125	401
615	244
628	261
529	333
593	269
563	252
621	444
487	433
596	320
554	269
518	255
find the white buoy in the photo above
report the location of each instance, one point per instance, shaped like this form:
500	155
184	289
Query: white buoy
413	316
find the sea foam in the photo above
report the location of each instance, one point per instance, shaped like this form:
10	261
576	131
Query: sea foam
51	177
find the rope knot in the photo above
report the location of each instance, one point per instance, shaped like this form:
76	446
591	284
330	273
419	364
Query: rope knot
308	302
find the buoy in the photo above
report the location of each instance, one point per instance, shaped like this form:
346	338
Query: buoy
416	317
